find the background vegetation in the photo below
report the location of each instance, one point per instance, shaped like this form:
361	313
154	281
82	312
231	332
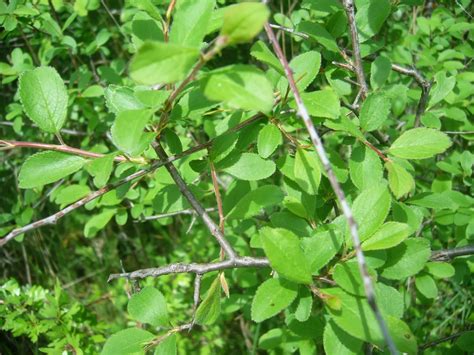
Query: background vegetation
393	106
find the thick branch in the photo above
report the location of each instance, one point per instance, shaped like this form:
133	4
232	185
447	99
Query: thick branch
213	228
58	215
358	68
195	268
318	145
58	148
448	254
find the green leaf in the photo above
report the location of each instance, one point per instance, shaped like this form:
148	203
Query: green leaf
120	98
400	181
283	249
250	166
71	194
443	87
149	306
47	167
406	259
440	270
272	296
305	67
426	285
305	305
370	209
167	346
319	34
190	22
240	86
380	71
389	235
242	22
254	201
128	131
307	171
337	341
162	63
321	103
365	167
127	341
269	138
210	308
261	52
420	143
347	276
374	111
93	91
100	169
98	222
370	17
44	98
321	247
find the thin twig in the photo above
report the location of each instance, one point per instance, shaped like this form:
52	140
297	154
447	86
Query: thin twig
357	62
448	254
188	211
432	344
220	209
213	228
8	144
194	268
290	30
317	143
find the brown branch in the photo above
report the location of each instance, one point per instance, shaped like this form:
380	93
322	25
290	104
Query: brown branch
56	147
220	209
448	254
58	215
357	62
194	268
318	145
213	228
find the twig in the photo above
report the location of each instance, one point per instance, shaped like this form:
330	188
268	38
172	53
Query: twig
357	64
188	211
432	344
70	132
317	143
290	30
213	228
92	196
56	147
220	209
448	254
459	132
194	268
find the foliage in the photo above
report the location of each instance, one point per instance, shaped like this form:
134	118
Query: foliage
101	86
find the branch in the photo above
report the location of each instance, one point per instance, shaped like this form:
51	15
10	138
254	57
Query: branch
58	148
213	228
194	268
448	254
358	68
317	143
188	211
442	340
58	215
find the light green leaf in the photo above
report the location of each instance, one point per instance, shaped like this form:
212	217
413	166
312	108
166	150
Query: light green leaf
420	143
240	86
426	285
269	138
370	17
210	308
71	194
100	169
440	270
305	67
47	167
305	305
347	276
167	346
250	166
44	98
374	111
261	52
127	341
321	103
242	22
283	249
93	91
121	98
254	201
307	171
149	306
162	63
400	181
190	22
370	209
98	222
319	34
272	296
128	131
443	87
337	341
389	235
365	167
380	71
321	247
406	259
